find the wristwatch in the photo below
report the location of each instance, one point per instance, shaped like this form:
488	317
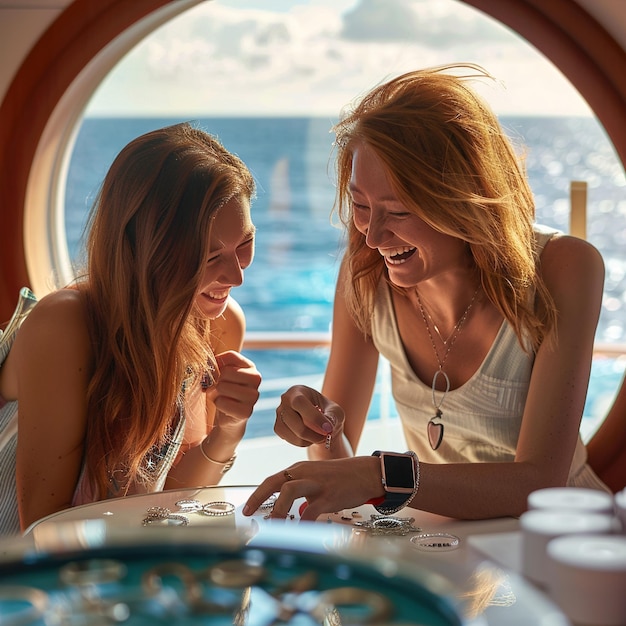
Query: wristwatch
400	475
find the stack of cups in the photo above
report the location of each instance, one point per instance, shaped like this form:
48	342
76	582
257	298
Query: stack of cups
571	548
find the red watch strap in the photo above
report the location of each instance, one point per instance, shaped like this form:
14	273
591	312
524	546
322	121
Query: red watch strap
376	501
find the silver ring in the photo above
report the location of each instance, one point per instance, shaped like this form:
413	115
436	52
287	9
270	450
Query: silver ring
435	542
159	512
92	572
217	509
190	506
268	505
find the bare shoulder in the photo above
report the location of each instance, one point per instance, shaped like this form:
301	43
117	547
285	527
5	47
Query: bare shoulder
229	329
52	341
58	321
64	307
567	257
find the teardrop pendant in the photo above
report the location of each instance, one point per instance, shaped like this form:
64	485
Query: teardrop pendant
435	430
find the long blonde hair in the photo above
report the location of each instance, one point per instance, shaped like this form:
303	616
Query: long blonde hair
451	164
146	250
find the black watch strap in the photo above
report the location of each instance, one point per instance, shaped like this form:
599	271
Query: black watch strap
393	502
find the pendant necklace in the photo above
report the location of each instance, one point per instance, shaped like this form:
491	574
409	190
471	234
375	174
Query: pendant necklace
434	427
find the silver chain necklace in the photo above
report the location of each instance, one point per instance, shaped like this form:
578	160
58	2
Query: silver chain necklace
434	427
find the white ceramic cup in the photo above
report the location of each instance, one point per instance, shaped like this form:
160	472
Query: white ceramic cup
588	578
571	499
539	526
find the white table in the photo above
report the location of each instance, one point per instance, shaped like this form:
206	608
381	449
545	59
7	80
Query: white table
482	572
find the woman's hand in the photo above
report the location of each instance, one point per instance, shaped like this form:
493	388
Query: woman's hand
306	417
328	486
236	390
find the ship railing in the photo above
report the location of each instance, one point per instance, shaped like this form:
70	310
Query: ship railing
261	456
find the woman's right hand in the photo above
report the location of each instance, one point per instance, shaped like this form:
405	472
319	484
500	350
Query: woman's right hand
305	417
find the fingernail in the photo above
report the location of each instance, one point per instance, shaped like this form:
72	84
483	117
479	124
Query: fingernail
327	427
246	510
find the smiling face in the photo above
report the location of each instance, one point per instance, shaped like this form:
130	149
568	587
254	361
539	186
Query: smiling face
412	250
231	250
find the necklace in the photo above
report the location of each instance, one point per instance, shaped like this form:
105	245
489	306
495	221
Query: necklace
434	427
452	334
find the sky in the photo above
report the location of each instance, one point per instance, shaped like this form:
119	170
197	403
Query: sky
312	57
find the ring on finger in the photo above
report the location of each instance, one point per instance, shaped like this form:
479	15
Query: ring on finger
287	475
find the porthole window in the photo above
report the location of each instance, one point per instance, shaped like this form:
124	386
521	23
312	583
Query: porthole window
271	81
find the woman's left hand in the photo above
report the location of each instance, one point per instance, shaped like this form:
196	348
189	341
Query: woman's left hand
236	390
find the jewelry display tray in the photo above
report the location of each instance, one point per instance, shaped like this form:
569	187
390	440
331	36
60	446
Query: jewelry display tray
188	576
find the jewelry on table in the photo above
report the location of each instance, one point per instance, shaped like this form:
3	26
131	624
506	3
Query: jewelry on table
189	506
236	573
435	542
218	508
92	572
36	603
377	608
434	427
388	525
158	514
268	505
89	578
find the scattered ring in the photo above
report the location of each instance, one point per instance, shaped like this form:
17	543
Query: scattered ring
159	512
287	475
268	505
217	509
190	506
435	542
92	572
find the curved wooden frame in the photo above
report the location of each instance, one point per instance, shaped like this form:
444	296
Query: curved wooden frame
49	92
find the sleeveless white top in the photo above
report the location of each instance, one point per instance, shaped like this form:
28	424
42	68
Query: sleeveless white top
482	418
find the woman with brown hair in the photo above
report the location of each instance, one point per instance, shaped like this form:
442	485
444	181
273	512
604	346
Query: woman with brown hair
131	380
486	318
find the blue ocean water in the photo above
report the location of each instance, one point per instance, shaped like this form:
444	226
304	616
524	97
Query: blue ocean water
290	285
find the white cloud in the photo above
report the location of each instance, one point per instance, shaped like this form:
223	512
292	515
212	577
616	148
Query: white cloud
311	58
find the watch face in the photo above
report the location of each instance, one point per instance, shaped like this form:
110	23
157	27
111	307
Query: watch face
398	473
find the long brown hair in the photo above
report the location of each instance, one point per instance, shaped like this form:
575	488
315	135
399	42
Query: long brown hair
146	249
450	163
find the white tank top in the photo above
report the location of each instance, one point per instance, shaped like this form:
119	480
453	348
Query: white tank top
482	418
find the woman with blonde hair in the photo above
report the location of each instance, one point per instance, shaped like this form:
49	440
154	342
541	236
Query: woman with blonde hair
131	380
487	319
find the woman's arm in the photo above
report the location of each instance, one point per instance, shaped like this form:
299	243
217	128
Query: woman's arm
350	376
573	272
305	416
53	360
607	448
229	404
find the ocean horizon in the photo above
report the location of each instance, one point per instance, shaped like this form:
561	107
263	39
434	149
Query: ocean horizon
290	285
